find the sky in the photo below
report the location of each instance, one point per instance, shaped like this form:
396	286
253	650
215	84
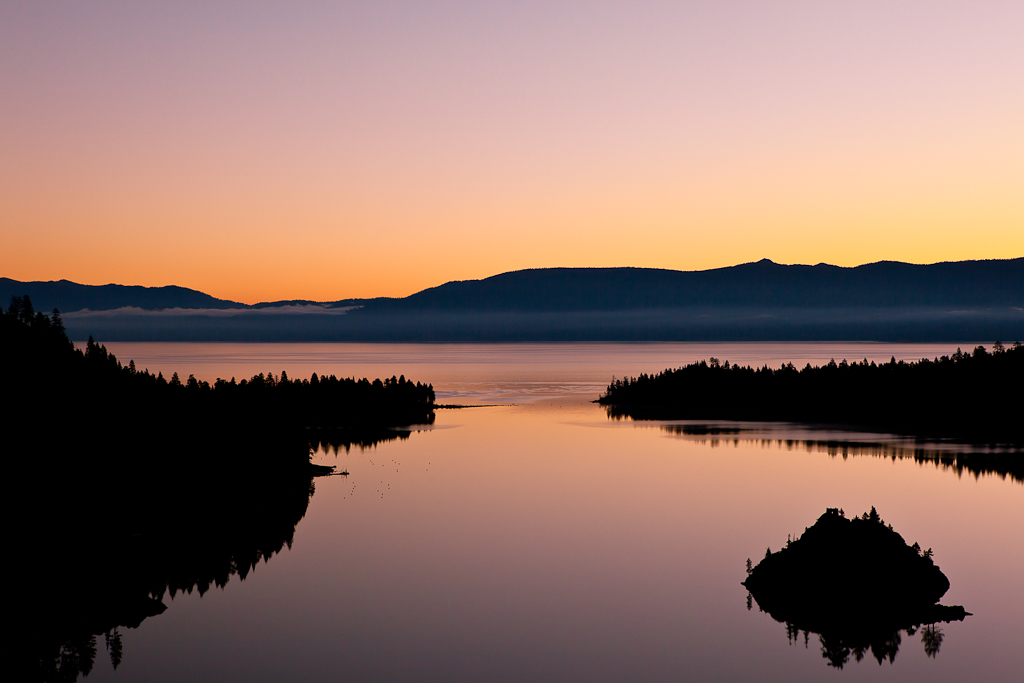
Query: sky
325	150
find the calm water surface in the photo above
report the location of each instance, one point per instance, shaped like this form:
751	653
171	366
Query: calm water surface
542	541
493	373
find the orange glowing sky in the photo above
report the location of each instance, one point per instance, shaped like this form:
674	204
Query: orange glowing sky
260	151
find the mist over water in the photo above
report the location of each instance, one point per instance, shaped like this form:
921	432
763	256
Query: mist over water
544	541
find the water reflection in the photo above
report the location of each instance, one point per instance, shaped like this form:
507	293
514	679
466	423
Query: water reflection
958	458
335	441
88	577
841	642
93	569
857	585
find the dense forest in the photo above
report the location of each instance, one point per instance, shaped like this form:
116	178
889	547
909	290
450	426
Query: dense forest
90	397
974	396
125	487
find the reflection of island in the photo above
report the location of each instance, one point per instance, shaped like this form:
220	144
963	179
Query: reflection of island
856	584
958	458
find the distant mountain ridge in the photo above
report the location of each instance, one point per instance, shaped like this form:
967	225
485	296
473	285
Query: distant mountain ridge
762	301
751	285
70	296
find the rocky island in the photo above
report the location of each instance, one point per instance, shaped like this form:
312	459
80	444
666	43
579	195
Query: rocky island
857	584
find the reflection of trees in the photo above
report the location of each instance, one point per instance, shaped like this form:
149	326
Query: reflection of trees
337	440
182	535
132	487
931	636
857	585
131	536
841	643
1001	463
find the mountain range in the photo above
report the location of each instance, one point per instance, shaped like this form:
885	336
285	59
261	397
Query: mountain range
760	284
762	300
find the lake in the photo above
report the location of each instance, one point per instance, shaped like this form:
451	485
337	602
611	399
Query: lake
532	538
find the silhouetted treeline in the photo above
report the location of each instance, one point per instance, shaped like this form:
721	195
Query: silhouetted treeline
974	396
124	486
92	397
857	584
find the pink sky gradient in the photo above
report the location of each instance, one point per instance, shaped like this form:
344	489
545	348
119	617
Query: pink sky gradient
264	151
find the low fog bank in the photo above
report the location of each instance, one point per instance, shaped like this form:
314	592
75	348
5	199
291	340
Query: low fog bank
133	312
316	324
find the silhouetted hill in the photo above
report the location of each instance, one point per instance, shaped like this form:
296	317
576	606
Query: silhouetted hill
761	284
965	301
71	296
764	284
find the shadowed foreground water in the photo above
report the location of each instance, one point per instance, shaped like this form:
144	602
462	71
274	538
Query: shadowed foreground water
543	541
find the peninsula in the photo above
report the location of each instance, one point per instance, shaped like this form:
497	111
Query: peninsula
973	396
